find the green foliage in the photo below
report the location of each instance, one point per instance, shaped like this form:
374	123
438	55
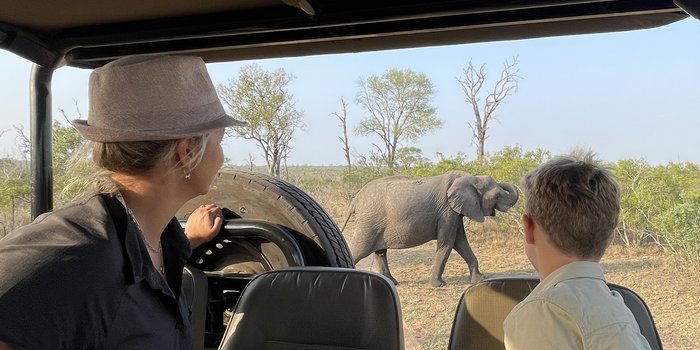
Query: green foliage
409	157
66	140
399	109
14	181
262	99
509	164
443	165
14	194
314	178
650	196
359	176
680	228
69	163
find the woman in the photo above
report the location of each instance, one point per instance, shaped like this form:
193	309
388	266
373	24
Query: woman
105	271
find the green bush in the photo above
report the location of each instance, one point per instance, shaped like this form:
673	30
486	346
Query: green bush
649	193
680	228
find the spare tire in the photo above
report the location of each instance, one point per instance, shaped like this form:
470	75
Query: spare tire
257	196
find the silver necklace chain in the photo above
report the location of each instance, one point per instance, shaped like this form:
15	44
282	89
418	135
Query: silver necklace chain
143	237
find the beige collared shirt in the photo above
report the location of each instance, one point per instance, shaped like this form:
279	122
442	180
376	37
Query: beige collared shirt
573	308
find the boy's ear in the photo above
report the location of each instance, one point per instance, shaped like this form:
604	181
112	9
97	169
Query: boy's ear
529	229
610	240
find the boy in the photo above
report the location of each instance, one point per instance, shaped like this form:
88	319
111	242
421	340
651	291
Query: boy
571	211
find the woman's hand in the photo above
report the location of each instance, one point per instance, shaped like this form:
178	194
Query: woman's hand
203	224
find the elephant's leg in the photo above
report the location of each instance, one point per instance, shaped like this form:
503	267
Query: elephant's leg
358	253
465	251
380	258
362	244
443	252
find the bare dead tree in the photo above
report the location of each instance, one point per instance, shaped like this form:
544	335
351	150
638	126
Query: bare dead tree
343	118
23	143
77	111
251	162
472	82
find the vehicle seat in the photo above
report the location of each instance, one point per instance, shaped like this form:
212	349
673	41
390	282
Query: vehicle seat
478	322
195	289
316	308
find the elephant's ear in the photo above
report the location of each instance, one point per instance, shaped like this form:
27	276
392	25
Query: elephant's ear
464	199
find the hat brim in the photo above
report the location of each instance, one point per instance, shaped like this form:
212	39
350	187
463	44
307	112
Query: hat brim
102	134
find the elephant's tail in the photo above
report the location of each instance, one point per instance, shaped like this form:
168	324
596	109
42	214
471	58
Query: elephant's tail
351	210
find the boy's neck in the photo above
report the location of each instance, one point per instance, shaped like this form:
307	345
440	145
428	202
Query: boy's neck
554	262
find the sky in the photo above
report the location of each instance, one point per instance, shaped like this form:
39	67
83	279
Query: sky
622	95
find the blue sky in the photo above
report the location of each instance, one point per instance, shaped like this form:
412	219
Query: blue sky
623	95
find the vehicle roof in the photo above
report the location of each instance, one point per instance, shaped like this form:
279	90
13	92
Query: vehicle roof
90	33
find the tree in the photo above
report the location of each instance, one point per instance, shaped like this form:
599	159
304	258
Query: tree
399	109
409	157
472	82
66	141
14	193
261	98
15	186
343	118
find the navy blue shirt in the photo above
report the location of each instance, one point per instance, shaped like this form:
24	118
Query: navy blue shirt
81	278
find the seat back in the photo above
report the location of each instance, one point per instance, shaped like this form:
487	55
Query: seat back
478	322
316	308
195	289
641	313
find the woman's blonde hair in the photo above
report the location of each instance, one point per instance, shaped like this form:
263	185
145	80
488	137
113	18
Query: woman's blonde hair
139	157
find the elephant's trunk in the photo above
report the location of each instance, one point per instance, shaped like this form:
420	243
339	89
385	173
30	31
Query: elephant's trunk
505	202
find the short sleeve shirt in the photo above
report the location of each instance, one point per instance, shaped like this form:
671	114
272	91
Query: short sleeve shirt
80	277
573	308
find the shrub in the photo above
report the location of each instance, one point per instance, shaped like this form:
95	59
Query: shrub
680	228
650	192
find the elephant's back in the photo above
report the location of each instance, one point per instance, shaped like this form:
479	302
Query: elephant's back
401	183
400	194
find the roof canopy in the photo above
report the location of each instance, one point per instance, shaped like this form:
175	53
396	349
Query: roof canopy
90	33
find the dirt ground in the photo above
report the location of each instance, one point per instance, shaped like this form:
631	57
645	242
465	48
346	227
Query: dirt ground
669	287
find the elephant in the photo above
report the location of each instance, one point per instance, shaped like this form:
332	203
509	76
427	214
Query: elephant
399	212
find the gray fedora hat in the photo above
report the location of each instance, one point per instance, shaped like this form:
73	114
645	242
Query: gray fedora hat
148	98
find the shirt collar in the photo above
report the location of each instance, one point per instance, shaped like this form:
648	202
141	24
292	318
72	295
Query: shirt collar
573	270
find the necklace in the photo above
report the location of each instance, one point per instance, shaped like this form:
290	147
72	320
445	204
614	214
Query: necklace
155	251
143	238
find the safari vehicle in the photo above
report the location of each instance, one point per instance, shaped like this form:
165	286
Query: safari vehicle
272	224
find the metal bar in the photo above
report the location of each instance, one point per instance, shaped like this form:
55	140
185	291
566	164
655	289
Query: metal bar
692	7
40	138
